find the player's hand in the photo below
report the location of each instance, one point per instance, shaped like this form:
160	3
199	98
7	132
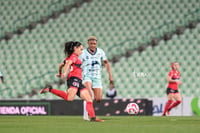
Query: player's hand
58	75
111	80
179	82
62	76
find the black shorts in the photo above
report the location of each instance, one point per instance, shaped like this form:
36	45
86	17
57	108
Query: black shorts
74	82
169	90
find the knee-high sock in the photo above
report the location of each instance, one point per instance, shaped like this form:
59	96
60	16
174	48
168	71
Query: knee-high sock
90	109
174	104
59	93
85	113
168	104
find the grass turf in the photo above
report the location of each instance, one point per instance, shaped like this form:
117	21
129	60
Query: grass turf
112	124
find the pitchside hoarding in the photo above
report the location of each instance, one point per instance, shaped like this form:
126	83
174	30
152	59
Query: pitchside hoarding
105	107
184	109
189	106
61	107
24	108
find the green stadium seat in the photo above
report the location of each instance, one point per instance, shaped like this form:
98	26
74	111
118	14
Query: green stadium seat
112	25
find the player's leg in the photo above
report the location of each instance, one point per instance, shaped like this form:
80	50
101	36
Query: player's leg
169	102
88	84
84	94
178	100
71	93
97	89
69	96
170	97
98	94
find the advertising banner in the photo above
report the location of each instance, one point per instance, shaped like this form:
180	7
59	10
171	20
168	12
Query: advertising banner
24	108
184	109
106	107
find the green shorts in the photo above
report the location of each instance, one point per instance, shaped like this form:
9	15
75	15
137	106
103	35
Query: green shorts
96	82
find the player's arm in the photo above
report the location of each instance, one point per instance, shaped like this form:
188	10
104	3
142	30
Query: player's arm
66	68
60	69
107	65
169	79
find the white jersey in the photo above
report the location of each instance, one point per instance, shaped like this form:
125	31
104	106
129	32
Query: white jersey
91	63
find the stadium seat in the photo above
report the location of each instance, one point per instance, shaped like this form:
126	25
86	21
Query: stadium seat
124	23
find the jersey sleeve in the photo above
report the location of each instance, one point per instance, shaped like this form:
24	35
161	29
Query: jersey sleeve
72	58
103	55
170	74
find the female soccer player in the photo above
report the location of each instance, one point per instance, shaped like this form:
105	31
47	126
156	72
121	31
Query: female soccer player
74	78
172	89
92	59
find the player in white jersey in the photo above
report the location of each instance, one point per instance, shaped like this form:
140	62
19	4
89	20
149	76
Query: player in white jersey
92	58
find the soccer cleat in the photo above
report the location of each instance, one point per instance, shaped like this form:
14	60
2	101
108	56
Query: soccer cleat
99	120
46	89
86	118
96	120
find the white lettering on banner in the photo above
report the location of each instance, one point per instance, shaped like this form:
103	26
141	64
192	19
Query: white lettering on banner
33	110
23	110
180	110
9	110
157	109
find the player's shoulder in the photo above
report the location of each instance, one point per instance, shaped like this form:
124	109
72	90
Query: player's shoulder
85	49
83	52
100	50
172	71
72	57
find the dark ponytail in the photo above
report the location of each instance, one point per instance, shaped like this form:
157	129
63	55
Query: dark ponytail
69	47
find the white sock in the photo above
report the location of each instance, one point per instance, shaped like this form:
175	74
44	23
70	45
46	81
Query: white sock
85	113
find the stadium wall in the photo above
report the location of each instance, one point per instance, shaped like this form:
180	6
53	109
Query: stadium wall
60	107
188	107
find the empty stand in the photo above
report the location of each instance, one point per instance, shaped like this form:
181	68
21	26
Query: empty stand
118	26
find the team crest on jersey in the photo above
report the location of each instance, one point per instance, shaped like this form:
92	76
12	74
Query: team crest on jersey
99	54
76	84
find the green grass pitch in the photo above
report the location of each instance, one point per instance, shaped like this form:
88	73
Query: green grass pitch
112	124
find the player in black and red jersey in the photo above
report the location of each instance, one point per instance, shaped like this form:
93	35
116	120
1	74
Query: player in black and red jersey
172	89
74	79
